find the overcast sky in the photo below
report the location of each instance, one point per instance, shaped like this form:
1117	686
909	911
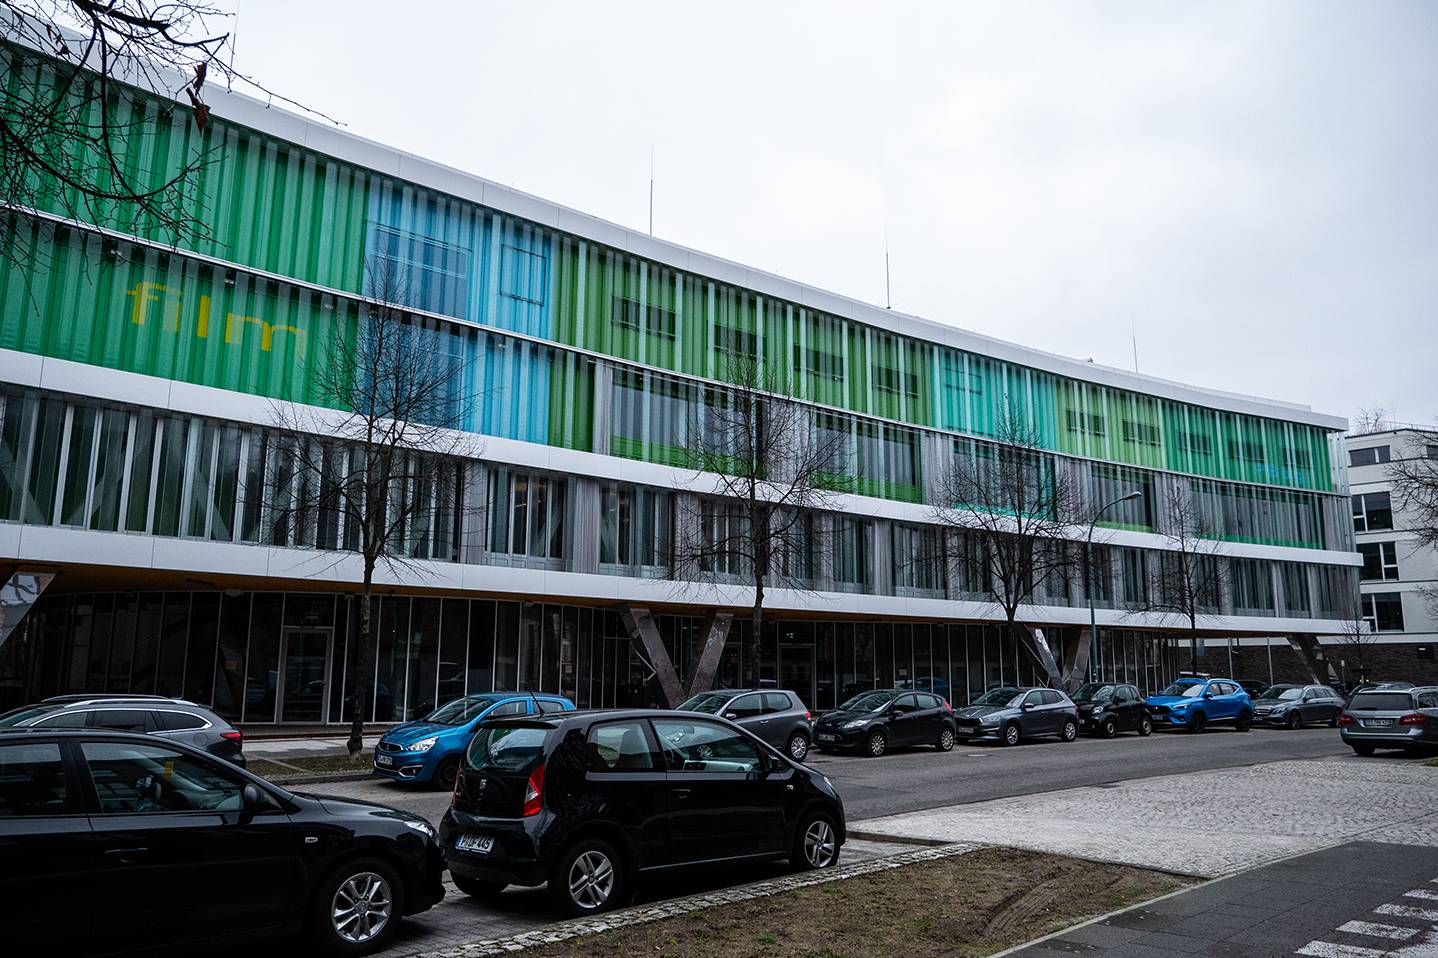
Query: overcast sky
1251	188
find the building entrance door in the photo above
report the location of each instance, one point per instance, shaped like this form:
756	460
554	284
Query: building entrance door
304	692
796	670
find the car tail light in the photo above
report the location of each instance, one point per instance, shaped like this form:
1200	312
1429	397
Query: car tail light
1412	718
233	735
533	792
947	707
1345	719
807	716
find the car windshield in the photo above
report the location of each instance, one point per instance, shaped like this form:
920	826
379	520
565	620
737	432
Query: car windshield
998	697
1093	691
459	711
1381	702
1285	692
506	748
709	703
1189	689
868	702
20	716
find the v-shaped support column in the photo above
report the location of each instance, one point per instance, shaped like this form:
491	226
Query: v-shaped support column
639	623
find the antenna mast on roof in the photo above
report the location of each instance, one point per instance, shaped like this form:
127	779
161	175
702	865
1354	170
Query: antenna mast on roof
1134	333
888	299
651	189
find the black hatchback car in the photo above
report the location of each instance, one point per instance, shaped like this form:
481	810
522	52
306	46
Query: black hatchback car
115	841
873	722
1106	709
591	801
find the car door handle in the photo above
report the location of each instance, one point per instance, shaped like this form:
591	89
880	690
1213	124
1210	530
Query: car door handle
126	855
680	793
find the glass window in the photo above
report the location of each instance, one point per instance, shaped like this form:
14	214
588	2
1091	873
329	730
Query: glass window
517	707
507	748
72	719
1383	611
619	747
32	780
1380	561
526	515
702	747
776	702
180	721
1372	511
132	779
1369	457
928	702
634	525
851	552
746	706
124	720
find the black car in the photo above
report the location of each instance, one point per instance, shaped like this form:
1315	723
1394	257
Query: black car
1107	709
591	801
778	716
1253	687
1011	715
114	841
876	721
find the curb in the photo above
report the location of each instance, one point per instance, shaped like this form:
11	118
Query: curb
319	777
918	840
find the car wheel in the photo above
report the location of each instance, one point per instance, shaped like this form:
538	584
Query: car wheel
1010	735
946	740
1244	721
798	746
445	773
1197	721
588	879
475	888
357	908
1070	730
878	744
1363	750
816	843
1145	726
1109	728
1294	722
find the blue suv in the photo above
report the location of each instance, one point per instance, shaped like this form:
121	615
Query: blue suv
1195	703
430	750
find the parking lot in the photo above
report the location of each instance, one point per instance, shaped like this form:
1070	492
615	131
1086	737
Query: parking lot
903	781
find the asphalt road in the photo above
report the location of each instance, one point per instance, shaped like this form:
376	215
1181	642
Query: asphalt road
914	779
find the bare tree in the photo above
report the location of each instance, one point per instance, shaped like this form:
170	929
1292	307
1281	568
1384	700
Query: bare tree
1369	419
71	119
1414	488
1189	580
1013	511
381	475
771	470
1354	641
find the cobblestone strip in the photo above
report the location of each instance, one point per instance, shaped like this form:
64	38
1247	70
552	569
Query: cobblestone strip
564	931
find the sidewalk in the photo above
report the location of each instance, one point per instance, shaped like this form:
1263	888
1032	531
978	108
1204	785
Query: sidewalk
1205	824
301	747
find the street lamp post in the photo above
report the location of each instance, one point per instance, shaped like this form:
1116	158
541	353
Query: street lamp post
1088	582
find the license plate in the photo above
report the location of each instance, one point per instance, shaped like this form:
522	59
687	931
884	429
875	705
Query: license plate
1377	723
478	844
827	738
384	761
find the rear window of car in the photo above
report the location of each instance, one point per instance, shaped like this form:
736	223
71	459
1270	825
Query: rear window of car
506	748
32	780
776	702
180	721
1381	701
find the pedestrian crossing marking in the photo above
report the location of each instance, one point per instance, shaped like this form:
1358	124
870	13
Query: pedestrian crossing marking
1406	911
1327	949
1421	893
1377	930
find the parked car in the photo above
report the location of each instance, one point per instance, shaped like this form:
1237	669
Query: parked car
1107	709
167	718
874	722
778	716
592	801
1391	718
1294	706
429	751
1196	703
1011	715
116	841
1253	687
1378	687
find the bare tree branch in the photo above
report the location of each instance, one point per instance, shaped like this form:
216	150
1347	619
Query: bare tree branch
1189	582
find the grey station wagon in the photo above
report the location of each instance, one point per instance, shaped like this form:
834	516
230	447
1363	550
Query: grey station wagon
777	716
1393	718
174	719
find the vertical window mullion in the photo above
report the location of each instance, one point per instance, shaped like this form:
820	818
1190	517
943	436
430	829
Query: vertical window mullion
56	511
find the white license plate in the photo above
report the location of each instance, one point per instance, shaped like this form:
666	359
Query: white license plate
827	738
1377	723
478	844
384	761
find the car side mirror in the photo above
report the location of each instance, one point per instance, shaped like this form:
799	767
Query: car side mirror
1026	707
731	716
255	800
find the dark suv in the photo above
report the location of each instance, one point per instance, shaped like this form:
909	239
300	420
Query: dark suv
775	715
114	841
168	718
590	801
873	722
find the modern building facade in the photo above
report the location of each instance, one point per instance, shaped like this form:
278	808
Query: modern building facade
142	473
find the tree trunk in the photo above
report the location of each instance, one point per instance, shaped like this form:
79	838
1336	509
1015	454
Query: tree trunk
752	647
363	668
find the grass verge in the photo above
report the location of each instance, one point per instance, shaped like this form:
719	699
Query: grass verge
307	765
968	905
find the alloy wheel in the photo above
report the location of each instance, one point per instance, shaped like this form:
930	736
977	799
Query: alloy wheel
1070	731
1110	728
946	740
1145	727
819	846
361	907
1011	735
798	747
877	744
591	880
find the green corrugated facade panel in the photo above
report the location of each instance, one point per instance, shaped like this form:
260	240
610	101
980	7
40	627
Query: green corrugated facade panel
278	207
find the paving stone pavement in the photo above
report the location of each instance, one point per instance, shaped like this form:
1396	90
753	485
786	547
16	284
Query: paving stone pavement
1357	900
461	926
1207	823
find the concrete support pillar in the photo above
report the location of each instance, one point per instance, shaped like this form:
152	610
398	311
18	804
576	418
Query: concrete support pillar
715	631
18	596
1311	652
639	623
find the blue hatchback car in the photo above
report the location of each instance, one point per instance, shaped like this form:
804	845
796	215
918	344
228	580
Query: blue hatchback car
430	750
1195	703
